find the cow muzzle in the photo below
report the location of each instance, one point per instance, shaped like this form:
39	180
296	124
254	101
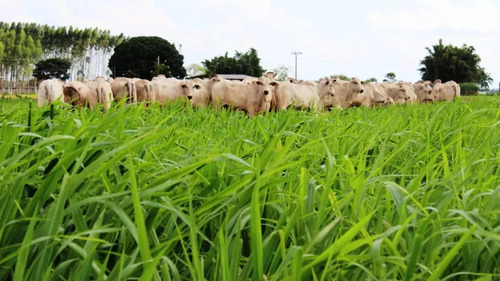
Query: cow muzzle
266	92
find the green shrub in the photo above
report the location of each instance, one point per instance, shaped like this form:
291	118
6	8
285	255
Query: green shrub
469	89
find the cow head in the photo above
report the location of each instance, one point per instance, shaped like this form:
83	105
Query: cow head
184	87
401	96
74	95
408	91
270	75
217	78
327	93
424	91
356	85
437	92
265	89
196	91
388	101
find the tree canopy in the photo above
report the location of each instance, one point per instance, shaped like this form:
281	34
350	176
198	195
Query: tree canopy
61	39
18	52
341	77
390	77
52	68
242	63
145	57
281	72
195	70
22	45
448	62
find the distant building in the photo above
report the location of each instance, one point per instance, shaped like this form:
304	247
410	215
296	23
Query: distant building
240	77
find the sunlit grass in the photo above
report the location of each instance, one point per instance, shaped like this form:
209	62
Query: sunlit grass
174	193
32	96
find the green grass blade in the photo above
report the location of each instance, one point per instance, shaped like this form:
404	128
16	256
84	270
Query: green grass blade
139	219
443	264
256	235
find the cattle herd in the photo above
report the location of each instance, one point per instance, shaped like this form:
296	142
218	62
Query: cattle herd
253	95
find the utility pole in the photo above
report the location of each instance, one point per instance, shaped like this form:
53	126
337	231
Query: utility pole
296	54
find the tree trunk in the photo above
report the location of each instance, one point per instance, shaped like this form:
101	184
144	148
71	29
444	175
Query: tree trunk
2	76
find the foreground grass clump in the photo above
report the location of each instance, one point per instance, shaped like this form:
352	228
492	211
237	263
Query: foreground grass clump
406	193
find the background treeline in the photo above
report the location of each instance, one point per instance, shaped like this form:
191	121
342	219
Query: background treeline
242	63
24	44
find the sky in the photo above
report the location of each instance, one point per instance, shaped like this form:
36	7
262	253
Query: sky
355	38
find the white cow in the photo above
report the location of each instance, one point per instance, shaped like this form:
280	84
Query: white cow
423	90
373	95
49	91
103	92
124	88
198	91
397	92
446	91
302	95
346	91
253	98
144	89
168	90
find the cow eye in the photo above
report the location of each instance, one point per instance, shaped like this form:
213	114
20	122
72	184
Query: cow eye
184	86
197	87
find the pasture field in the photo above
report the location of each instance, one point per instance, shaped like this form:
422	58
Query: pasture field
174	193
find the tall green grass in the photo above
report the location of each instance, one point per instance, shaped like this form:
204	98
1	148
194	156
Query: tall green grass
174	193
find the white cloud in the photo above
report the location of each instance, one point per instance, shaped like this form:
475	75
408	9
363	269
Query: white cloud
478	16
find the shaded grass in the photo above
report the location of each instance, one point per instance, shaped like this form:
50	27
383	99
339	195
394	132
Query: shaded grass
174	193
